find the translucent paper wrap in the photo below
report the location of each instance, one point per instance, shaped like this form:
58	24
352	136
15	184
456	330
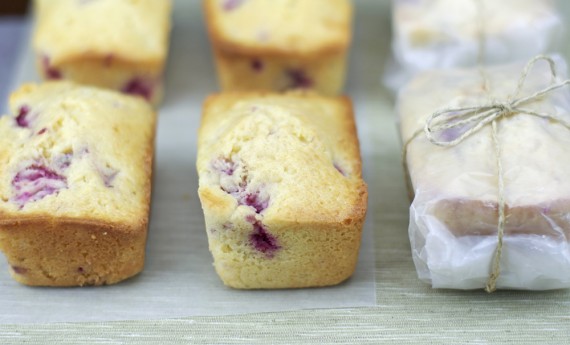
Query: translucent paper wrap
454	213
430	34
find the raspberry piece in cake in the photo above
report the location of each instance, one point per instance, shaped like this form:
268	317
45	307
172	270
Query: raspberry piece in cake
115	44
48	70
257	65
339	169
63	161
140	87
294	44
19	270
63	199
36	182
238	185
265	167
230	5
255	200
299	79
225	166
22	119
108	175
263	241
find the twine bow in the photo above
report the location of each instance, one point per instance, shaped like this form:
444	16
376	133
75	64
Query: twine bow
491	114
485	114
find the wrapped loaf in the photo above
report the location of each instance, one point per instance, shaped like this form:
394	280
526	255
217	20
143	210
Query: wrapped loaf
448	33
455	211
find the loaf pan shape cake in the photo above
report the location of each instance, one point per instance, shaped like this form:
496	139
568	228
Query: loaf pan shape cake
281	189
116	44
75	184
281	44
430	34
454	214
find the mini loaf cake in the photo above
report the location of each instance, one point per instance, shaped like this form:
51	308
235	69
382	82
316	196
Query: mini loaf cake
116	44
281	188
75	182
280	44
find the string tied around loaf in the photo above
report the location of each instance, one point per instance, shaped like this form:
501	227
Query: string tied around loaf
483	115
478	117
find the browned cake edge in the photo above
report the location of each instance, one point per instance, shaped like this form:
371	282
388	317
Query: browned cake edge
221	43
72	252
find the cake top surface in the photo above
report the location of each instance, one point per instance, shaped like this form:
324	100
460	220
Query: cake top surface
292	157
280	27
126	30
75	152
532	149
435	22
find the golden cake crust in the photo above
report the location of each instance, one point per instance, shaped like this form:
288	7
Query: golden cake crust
279	28
43	251
116	44
129	31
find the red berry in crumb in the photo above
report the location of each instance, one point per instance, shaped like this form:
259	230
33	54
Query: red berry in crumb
139	87
263	241
49	71
299	79
22	118
230	5
36	182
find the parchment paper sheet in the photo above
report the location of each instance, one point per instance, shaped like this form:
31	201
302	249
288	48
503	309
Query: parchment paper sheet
179	279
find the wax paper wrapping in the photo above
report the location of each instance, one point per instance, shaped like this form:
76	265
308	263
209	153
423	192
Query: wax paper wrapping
454	213
431	34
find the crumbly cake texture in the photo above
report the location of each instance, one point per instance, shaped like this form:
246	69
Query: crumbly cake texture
116	44
281	189
75	184
281	44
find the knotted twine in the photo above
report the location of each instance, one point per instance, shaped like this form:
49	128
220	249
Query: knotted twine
480	117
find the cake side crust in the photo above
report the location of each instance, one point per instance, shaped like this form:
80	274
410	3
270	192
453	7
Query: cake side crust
72	252
312	255
254	72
